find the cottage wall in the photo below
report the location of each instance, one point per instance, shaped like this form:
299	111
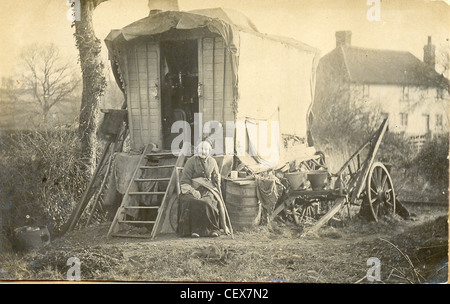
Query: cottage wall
411	109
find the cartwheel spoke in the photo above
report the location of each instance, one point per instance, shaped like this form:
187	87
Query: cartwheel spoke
389	203
383	182
373	179
376	209
374	191
380	175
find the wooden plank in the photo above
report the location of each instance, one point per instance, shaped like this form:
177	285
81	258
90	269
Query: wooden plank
339	203
281	207
152	68
157	167
224	83
129	103
207	69
152	179
200	73
141	207
147	193
218	82
158	130
137	222
137	236
136	62
99	192
368	163
76	214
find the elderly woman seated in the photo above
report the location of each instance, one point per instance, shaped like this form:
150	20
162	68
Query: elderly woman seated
201	208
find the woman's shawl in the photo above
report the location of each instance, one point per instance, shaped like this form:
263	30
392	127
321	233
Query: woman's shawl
201	181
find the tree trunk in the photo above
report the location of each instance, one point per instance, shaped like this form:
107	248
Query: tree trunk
94	83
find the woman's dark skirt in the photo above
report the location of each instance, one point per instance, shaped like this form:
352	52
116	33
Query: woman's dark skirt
199	216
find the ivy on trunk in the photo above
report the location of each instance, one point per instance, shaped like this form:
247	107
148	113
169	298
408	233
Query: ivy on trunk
94	82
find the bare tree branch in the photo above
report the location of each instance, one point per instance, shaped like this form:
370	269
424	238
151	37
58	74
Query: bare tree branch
47	78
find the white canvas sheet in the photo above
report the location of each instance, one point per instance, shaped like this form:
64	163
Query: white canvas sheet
275	83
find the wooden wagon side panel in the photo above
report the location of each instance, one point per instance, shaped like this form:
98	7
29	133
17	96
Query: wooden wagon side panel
215	77
143	94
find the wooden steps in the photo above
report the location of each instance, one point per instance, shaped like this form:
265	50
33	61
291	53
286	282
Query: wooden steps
160	195
147	193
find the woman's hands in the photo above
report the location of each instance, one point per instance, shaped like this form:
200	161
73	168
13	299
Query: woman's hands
186	188
196	194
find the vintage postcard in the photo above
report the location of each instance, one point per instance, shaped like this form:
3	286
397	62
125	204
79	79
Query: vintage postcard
288	141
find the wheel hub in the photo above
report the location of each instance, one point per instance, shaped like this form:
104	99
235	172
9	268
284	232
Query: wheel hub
381	195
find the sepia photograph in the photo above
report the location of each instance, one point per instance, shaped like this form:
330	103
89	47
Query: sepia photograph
224	141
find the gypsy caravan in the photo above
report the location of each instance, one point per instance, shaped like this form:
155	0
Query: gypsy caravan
187	75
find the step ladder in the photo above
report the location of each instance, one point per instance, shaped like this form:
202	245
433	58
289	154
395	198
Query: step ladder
164	196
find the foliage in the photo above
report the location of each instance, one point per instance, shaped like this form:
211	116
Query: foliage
41	177
343	120
432	161
397	150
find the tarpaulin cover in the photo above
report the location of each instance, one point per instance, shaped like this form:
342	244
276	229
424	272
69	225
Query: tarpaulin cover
225	23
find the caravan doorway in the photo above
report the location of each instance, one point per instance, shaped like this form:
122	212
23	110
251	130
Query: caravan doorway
179	88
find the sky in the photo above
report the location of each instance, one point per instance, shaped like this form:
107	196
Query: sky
404	24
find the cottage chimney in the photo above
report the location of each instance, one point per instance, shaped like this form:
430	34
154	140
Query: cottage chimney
429	54
343	38
156	6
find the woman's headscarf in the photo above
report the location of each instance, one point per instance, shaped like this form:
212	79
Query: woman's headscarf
204	149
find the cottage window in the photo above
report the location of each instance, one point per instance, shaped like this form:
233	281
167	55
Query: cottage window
403	119
439	93
366	90
439	121
427	122
405	92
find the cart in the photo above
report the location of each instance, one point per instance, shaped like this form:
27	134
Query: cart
361	183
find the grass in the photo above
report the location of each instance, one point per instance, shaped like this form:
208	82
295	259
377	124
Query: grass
263	254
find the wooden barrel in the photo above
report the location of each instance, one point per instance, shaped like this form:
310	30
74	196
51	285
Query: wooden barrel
242	204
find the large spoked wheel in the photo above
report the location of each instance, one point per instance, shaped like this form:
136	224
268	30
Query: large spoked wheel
380	191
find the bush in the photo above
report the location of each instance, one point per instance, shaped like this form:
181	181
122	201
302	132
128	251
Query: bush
432	161
397	150
41	177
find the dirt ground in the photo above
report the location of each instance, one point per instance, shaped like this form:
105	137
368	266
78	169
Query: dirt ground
409	251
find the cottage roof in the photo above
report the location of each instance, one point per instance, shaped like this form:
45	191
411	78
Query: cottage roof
372	66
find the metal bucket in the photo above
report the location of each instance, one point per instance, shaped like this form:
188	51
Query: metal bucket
296	179
317	179
28	238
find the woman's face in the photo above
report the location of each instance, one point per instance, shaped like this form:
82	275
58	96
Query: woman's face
204	150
